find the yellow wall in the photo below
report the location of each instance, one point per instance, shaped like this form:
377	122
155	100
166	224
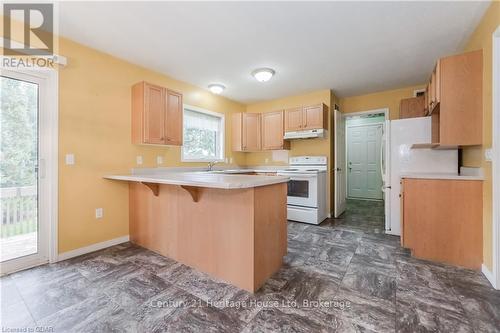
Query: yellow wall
383	99
94	124
298	147
474	156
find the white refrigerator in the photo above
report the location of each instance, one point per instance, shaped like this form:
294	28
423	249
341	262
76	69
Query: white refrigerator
399	158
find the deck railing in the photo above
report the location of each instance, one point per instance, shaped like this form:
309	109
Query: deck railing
18	210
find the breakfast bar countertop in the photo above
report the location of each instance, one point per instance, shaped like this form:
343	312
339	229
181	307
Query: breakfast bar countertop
202	179
442	176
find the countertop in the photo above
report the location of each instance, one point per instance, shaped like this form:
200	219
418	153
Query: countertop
202	179
445	176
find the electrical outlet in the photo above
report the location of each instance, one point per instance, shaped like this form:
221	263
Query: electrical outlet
488	154
231	160
138	160
99	212
70	159
267	160
159	160
226	160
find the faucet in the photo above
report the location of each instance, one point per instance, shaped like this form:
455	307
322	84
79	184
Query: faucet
211	165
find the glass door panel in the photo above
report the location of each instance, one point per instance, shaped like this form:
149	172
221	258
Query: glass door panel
19	142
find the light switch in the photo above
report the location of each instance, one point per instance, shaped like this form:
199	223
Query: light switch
231	160
99	213
488	154
266	160
159	160
70	159
138	160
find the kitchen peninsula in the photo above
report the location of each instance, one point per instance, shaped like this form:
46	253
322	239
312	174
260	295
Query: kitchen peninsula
232	227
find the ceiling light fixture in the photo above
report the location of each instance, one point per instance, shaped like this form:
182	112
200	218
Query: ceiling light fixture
216	88
263	74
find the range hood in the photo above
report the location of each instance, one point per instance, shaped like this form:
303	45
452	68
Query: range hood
307	134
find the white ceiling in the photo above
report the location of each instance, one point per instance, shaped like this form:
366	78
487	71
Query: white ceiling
350	47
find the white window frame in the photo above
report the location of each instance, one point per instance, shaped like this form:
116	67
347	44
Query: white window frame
222	135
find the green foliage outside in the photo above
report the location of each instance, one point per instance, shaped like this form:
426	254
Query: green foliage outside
18	128
200	142
18	153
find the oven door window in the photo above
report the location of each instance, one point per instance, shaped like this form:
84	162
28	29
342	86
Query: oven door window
298	188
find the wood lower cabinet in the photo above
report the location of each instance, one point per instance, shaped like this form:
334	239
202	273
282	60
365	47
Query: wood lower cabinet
273	131
156	115
442	220
246	132
306	118
456	100
412	107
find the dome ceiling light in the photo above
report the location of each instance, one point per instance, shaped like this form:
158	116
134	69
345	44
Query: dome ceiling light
216	88
263	74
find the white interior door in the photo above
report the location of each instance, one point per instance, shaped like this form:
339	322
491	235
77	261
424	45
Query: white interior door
363	159
23	184
340	165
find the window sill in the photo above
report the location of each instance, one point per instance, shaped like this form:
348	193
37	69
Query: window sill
202	160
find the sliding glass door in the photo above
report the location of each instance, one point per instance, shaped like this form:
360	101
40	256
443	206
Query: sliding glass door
23	235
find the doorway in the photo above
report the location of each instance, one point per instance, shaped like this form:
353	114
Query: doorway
27	169
363	156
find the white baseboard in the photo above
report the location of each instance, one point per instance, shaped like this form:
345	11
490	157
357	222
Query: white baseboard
92	248
489	275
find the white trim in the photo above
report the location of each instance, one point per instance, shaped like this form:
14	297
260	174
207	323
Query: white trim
92	248
385	111
48	167
222	116
488	274
496	159
416	91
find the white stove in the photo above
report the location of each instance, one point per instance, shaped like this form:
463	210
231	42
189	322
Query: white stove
306	200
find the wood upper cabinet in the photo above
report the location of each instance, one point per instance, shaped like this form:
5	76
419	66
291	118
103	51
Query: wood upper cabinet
251	131
412	107
174	112
246	131
305	118
456	100
315	116
442	220
294	119
273	131
156	115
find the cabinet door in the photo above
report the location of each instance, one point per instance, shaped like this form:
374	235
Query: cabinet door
403	108
173	122
251	131
273	131
412	107
293	119
154	114
314	117
437	81
237	131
